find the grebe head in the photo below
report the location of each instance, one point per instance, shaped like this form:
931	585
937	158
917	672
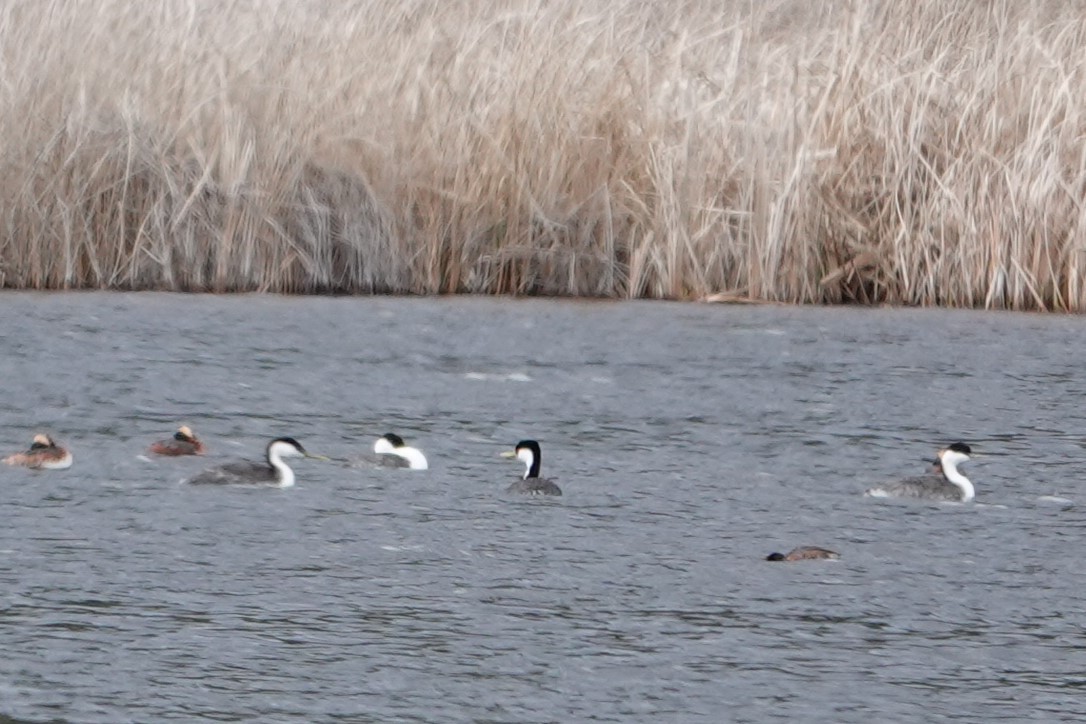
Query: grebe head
184	434
285	447
42	440
954	454
775	557
527	451
387	443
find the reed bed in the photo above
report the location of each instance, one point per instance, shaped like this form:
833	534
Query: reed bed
787	150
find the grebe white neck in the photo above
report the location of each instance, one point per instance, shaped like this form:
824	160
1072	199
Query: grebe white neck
414	457
526	456
950	460
276	452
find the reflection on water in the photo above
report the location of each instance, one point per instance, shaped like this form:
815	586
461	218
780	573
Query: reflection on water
690	441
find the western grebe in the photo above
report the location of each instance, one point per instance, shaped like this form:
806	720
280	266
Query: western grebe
950	485
527	451
272	472
804	553
44	454
392	451
183	442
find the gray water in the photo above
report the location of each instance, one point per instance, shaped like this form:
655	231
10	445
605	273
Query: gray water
690	441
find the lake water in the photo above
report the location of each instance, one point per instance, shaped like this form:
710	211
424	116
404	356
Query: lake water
690	440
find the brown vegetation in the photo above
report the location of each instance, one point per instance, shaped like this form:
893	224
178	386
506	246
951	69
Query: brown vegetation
787	150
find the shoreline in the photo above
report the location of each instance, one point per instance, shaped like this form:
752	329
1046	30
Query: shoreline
727	300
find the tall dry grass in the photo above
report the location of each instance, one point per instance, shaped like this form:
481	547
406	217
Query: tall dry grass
790	150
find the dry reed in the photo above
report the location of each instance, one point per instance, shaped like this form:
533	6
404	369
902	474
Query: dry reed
788	150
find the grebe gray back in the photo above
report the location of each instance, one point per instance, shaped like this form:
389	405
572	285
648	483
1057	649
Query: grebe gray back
43	454
950	485
271	472
527	451
805	553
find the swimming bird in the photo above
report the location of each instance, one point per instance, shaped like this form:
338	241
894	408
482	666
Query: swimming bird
804	553
527	451
272	472
950	485
44	454
183	442
392	451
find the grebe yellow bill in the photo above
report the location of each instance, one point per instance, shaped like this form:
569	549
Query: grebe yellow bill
183	442
44	454
527	451
274	471
805	553
945	483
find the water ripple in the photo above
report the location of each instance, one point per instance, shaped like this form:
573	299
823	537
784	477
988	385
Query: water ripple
689	441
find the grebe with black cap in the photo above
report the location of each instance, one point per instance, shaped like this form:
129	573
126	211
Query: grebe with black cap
527	451
949	486
392	451
271	472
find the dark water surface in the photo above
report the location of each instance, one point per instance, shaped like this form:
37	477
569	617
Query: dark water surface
690	441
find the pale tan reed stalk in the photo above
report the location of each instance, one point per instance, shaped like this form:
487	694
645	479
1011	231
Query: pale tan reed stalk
789	150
